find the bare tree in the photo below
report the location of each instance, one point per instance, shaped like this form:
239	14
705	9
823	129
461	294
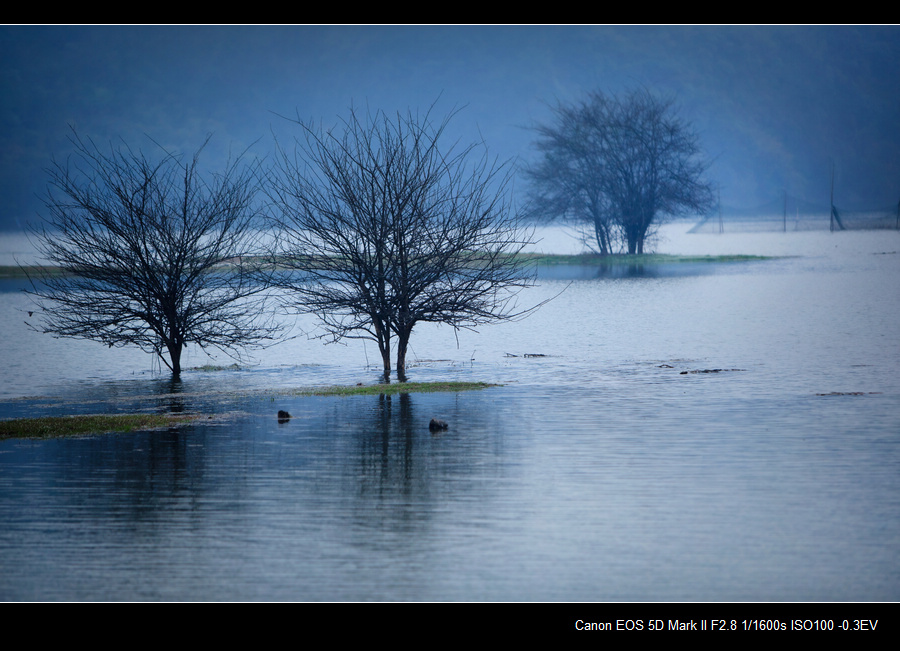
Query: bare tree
388	230
567	182
620	164
151	253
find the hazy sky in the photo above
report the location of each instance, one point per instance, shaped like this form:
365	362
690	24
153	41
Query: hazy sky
774	105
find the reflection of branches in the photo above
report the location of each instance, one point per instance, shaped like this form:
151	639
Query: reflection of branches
152	254
388	231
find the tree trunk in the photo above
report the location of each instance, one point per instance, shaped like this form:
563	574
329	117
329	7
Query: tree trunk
384	347
175	359
601	236
402	343
601	242
386	363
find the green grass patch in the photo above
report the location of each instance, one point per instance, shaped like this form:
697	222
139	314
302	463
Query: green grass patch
391	389
56	426
29	271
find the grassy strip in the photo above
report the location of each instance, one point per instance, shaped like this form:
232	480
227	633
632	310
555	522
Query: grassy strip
55	426
14	271
391	389
34	271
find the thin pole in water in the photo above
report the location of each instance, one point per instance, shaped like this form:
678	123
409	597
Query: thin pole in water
721	225
784	219
831	212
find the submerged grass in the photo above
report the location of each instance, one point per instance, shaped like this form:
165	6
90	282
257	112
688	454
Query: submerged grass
56	426
212	368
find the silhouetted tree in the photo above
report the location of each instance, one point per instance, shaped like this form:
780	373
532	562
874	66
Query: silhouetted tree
382	229
619	164
567	183
151	253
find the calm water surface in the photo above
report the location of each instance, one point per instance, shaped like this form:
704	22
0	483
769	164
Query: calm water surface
610	468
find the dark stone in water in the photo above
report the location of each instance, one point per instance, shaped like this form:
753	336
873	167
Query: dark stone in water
436	425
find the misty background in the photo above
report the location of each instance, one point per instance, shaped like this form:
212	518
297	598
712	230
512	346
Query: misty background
775	106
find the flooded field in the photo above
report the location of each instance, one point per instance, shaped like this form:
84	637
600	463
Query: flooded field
697	432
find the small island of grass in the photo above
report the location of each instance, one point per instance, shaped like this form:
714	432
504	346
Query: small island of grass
57	426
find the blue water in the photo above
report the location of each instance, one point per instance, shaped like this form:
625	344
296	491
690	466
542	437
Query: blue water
606	470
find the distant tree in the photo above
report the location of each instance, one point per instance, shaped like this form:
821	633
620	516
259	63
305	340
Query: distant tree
619	164
151	253
381	229
567	182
